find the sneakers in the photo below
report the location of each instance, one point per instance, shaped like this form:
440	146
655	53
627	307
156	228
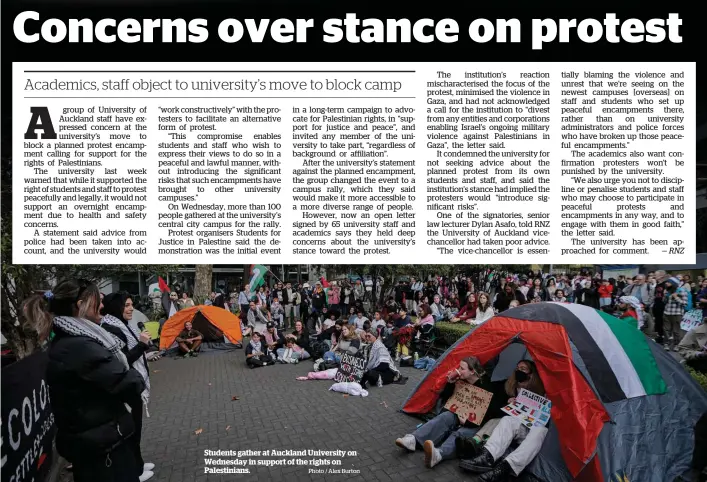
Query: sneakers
407	442
666	347
432	455
675	348
480	464
194	354
186	355
148	467
146	475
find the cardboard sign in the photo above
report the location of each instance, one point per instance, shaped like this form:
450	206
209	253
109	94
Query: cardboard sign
469	402
351	369
691	320
530	408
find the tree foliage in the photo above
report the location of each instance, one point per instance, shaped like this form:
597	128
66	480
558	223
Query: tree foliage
18	282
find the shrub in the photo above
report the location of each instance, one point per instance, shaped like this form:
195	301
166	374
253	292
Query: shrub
701	378
451	332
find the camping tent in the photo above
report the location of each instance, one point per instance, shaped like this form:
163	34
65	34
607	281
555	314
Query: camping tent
213	322
620	404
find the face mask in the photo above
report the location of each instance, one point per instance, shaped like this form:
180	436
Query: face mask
521	376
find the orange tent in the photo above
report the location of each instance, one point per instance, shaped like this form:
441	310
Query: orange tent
212	322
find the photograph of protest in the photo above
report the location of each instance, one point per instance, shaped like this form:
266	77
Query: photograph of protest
200	367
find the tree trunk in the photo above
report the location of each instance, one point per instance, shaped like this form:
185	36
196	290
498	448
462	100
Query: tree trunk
203	280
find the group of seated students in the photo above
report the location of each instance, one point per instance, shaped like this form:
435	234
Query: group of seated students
272	346
484	446
375	339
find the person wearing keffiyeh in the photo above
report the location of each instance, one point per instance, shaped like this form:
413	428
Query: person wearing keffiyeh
117	312
380	369
91	384
631	308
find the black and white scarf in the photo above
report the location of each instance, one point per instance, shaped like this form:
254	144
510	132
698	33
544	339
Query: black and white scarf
257	347
132	335
80	327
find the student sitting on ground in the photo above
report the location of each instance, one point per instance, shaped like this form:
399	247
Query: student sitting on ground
301	337
256	353
468	312
484	310
255	319
348	343
380	369
508	430
438	436
273	337
359	320
189	341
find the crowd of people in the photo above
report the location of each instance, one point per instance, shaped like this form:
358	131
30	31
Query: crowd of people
404	317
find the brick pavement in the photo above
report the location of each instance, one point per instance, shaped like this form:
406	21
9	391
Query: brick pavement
274	411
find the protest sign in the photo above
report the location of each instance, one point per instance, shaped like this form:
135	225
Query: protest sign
530	408
27	420
350	369
469	402
691	320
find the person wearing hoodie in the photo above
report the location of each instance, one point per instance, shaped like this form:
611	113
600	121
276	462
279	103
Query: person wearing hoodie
117	312
491	462
438	437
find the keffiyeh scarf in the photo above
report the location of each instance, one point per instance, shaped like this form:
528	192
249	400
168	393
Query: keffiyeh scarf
80	327
633	301
132	336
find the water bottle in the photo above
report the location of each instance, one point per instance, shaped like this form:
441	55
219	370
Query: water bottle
416	356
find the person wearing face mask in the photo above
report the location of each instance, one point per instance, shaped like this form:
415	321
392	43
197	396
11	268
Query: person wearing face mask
438	436
117	312
509	429
91	384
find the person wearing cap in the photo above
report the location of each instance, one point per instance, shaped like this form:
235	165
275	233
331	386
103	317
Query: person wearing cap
273	338
675	300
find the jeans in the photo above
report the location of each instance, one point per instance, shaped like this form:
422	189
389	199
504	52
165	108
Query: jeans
302	355
604	302
510	429
331	356
443	431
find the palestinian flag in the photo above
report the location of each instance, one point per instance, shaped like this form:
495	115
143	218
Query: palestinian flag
616	354
257	276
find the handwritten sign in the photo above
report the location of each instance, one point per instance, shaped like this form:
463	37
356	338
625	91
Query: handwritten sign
691	320
530	408
350	369
469	402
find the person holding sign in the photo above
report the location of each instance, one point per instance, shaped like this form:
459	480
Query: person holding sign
469	399
510	429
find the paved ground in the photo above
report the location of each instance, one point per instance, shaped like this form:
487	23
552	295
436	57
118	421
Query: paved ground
274	411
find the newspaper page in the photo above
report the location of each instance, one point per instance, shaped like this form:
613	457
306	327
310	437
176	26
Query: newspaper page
252	241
